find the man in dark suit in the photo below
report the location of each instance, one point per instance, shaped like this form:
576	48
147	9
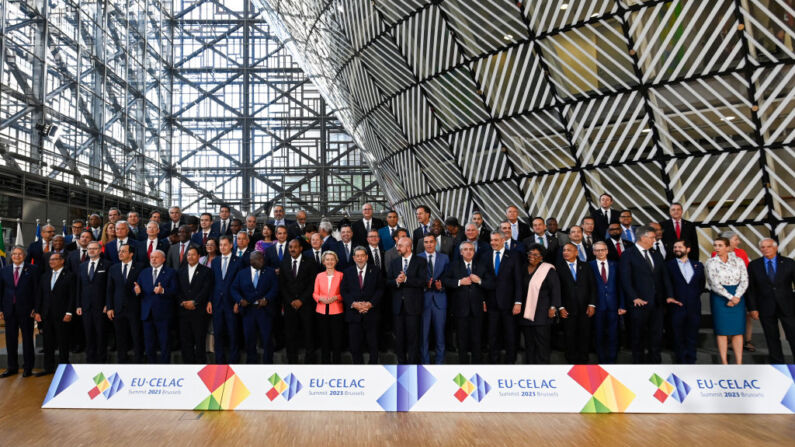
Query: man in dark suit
223	226
578	296
150	244
676	228
434	311
315	252
222	307
588	237
297	274
365	224
647	286
95	226
256	293
407	280
124	306
122	237
468	279
540	236
362	288
604	216
375	254
627	228
275	254
37	249
519	229
609	304
243	248
298	228
444	243
205	232
137	229
78	225
278	217
92	283
55	305
504	302
511	245
175	220
19	287
385	232
80	253
576	237
329	242
157	287
483	230
254	234
58	244
688	281
471	235
667	252
616	246
194	287
771	300
177	252
345	248
423	213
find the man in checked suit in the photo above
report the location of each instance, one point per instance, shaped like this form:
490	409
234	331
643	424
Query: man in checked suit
54	307
362	288
91	303
222	307
407	281
19	286
124	306
194	287
468	280
504	302
647	286
297	274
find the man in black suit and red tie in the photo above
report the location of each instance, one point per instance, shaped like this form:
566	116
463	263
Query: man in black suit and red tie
604	215
362	288
616	246
19	285
771	300
676	228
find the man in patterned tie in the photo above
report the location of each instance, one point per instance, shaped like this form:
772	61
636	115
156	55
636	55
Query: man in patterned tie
19	283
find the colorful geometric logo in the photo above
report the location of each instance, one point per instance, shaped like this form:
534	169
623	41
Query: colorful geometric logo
227	391
106	386
608	394
64	376
287	387
673	387
476	387
412	382
789	398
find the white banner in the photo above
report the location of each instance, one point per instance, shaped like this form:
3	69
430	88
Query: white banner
443	388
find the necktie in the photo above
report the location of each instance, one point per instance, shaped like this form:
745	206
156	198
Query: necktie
425	229
376	258
295	268
405	265
430	266
368	227
256	278
659	248
605	214
124	272
154	277
317	256
361	279
45	246
604	273
496	263
149	250
618	247
771	272
82	255
573	270
52	281
581	253
469	269
91	271
629	234
240	253
347	252
678	230
588	241
541	240
190	276
181	252
204	238
281	252
224	265
507	247
223	227
648	259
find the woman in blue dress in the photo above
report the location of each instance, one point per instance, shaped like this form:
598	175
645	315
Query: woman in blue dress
727	279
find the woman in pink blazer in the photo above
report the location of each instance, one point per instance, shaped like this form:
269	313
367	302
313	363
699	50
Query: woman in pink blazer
329	309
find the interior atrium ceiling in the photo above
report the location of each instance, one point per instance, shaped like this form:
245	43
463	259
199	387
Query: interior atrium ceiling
478	104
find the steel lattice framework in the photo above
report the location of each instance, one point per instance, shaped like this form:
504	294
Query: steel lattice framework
478	104
186	102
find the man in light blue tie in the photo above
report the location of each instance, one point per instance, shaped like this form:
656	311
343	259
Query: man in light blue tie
576	238
435	303
627	229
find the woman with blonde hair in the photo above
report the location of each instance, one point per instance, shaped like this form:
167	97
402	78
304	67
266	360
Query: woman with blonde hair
108	235
330	318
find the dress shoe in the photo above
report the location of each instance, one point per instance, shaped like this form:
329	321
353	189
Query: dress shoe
27	373
8	373
44	373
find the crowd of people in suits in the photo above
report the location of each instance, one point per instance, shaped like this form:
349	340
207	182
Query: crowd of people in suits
371	286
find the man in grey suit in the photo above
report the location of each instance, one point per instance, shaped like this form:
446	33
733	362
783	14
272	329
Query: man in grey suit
176	253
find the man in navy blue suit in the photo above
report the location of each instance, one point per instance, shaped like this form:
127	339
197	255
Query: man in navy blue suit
609	304
242	248
124	306
407	278
278	217
471	235
137	230
578	296
315	252
222	306
505	301
256	293
152	242
434	309
55	304
329	242
512	245
345	248
19	285
175	220
37	249
276	252
223	225
157	287
122	238
78	225
627	229
92	282
362	288
688	281
205	232
646	284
